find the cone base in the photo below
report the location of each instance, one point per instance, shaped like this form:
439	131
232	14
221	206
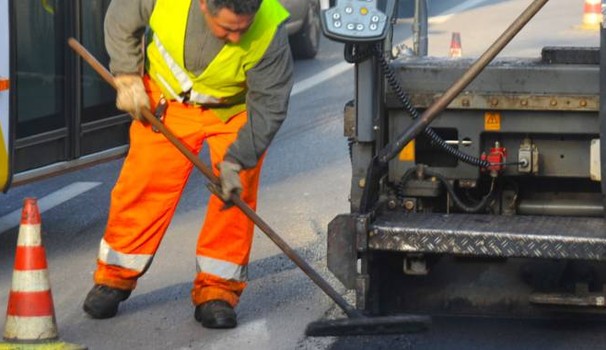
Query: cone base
586	26
56	345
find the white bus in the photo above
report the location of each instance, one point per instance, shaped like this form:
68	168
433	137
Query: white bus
56	114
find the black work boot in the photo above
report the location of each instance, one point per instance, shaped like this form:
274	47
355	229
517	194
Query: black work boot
216	314
102	301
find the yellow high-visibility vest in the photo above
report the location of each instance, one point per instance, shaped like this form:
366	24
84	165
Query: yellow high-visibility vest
222	85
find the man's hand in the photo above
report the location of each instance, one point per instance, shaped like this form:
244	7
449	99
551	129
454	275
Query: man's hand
131	95
230	178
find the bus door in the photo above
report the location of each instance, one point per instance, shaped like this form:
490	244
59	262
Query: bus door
64	113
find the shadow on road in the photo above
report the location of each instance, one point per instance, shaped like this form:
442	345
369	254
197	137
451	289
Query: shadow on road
456	333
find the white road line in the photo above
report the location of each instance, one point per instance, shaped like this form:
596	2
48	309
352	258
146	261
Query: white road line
321	77
459	8
48	202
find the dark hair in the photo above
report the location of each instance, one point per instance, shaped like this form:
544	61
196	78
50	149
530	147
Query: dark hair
239	7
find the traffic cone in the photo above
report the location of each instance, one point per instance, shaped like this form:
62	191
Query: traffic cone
455	45
592	14
30	315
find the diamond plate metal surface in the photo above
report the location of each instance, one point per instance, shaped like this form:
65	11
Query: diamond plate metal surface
491	235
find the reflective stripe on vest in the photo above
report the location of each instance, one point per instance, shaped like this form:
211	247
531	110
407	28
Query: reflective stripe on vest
185	83
137	262
203	99
169	89
220	268
223	82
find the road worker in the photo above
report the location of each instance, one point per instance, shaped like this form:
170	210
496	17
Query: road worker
224	70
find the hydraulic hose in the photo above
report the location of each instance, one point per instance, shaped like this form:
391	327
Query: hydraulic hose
455	198
422	171
392	149
414	114
354	54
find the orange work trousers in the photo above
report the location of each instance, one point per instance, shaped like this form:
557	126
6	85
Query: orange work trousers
146	194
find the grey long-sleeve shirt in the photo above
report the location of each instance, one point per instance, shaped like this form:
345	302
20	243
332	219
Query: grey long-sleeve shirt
269	83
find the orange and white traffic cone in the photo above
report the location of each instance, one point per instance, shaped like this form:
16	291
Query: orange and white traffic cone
455	45
30	315
592	14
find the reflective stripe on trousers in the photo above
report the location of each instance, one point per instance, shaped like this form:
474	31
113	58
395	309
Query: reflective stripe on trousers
136	262
145	197
223	269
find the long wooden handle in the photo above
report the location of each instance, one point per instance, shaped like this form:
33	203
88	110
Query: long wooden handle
235	199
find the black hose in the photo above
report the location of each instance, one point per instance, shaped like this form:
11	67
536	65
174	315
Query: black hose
455	198
403	179
414	114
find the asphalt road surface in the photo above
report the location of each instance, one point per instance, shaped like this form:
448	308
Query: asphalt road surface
305	184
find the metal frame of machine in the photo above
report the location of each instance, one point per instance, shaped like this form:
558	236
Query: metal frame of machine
479	192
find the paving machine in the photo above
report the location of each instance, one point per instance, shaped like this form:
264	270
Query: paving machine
476	183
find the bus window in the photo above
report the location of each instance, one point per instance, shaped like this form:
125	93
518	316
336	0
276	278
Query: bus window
40	70
64	114
98	97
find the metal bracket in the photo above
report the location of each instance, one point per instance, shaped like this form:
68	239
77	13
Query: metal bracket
341	249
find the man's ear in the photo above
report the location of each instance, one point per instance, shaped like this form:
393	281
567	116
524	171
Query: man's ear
203	6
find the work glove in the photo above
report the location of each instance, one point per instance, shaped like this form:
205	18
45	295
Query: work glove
230	179
131	96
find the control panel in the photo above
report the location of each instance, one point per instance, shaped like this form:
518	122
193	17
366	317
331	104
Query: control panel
355	21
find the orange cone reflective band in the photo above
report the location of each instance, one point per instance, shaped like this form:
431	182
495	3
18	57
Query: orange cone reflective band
30	315
455	45
592	14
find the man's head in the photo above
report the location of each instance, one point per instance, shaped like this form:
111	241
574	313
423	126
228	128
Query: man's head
229	19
